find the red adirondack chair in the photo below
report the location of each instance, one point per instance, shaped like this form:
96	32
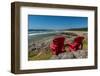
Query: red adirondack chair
57	45
76	44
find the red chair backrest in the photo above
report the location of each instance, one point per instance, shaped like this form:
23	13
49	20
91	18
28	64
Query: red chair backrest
59	40
78	39
57	44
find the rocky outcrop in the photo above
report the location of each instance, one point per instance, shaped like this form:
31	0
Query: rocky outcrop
71	55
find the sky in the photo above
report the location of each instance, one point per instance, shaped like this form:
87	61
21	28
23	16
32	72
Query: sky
56	22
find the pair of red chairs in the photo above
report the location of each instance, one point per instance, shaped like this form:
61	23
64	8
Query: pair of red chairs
57	45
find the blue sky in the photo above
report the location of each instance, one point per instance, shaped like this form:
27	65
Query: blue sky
56	22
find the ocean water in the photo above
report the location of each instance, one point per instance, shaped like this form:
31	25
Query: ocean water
37	35
33	33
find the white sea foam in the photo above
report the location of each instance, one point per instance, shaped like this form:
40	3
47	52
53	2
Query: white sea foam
32	34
